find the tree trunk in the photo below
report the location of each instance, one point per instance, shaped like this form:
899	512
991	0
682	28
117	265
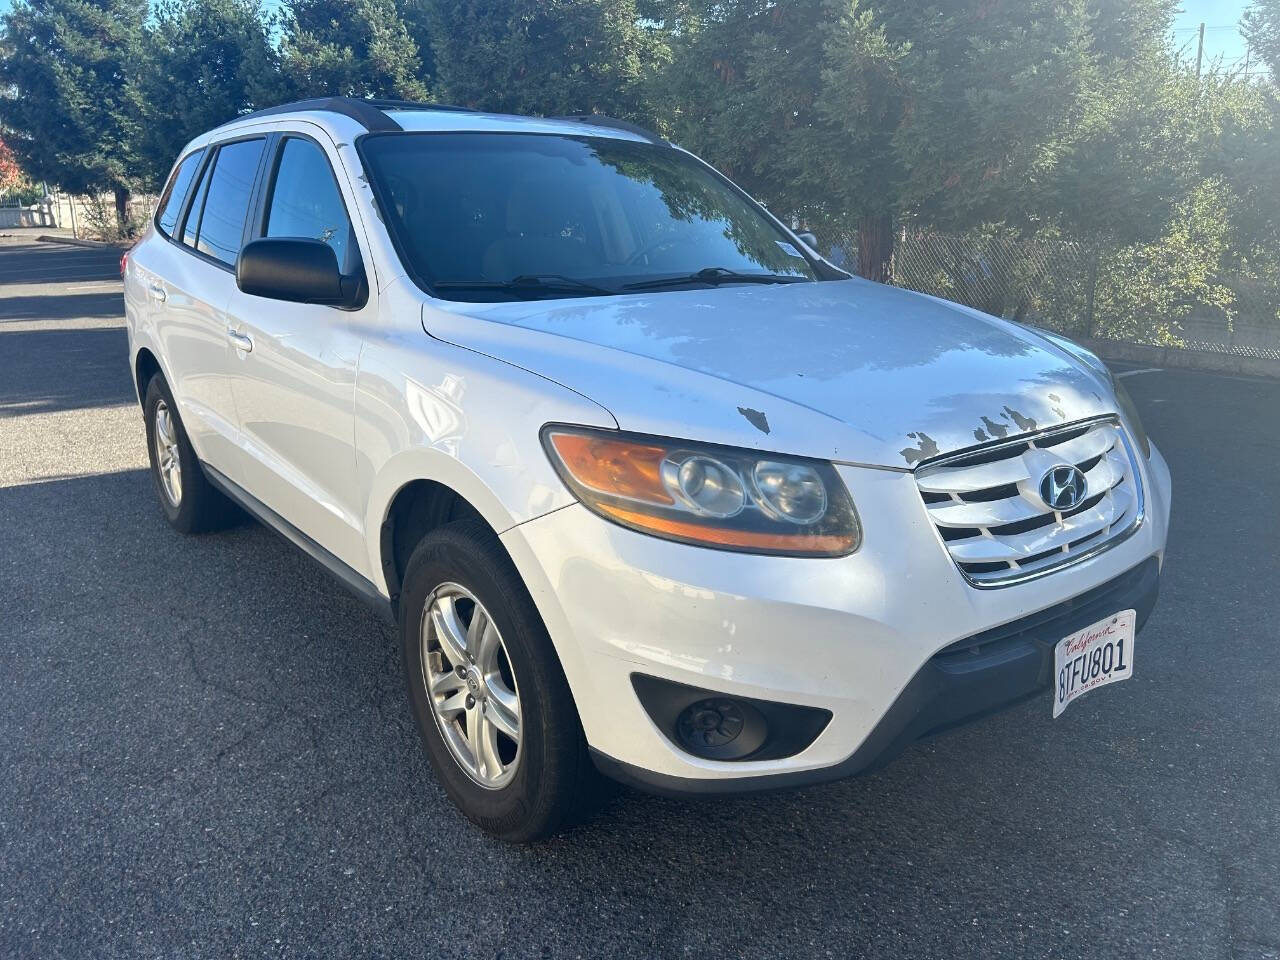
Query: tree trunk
122	211
875	246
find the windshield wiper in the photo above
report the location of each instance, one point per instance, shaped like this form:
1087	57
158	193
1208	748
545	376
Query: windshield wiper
714	276
548	282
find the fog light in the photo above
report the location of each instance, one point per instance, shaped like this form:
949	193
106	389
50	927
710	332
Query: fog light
721	729
718	726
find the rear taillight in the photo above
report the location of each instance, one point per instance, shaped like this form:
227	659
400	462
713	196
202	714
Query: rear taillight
124	258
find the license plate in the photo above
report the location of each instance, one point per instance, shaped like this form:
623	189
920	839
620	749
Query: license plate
1093	657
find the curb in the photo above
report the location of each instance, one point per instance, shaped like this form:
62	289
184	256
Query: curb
72	241
1177	358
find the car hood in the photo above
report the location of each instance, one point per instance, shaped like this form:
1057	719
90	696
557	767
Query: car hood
846	370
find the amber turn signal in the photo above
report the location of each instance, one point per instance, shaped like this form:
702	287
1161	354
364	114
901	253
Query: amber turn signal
708	495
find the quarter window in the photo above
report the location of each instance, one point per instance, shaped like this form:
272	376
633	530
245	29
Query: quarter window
226	203
176	192
305	201
197	205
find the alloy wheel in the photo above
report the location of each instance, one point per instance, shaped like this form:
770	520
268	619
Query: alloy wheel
168	463
471	685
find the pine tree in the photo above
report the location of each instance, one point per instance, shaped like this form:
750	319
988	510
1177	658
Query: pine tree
207	61
359	48
545	56
419	20
1261	25
71	108
800	104
959	112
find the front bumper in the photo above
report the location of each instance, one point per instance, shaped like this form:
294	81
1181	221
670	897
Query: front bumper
875	638
969	679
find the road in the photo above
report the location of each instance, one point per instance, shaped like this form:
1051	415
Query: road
207	750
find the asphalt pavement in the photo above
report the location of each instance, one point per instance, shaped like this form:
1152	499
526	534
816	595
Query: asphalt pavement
206	749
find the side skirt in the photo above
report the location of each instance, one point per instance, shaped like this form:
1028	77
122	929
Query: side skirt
353	581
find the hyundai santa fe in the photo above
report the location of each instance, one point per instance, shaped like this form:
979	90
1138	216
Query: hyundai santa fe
650	488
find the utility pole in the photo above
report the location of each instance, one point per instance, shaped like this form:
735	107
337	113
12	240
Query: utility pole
1200	51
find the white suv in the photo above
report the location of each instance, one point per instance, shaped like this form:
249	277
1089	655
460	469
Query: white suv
649	487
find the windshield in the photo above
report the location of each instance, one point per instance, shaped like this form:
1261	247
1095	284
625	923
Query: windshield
497	216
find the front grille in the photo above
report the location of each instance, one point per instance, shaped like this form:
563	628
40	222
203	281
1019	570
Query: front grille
987	506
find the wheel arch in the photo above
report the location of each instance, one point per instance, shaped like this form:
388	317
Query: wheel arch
422	488
417	508
145	366
416	492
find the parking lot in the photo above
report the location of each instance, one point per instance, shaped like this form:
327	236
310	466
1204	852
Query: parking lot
207	750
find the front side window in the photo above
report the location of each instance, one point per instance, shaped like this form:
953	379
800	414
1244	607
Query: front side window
305	201
176	192
226	202
477	215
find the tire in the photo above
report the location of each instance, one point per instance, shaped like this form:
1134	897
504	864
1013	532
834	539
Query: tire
197	507
549	780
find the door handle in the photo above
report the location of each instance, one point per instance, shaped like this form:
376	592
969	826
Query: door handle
157	291
240	341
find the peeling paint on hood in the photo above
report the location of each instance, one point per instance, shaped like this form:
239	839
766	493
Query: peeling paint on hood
846	370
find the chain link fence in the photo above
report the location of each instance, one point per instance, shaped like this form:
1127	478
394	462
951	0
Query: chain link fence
1136	294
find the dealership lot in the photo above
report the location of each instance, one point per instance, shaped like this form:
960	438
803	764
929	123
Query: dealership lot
207	749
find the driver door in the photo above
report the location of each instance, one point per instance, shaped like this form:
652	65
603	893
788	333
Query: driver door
295	363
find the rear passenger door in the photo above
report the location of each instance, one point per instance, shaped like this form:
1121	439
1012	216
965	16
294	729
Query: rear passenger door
294	387
190	290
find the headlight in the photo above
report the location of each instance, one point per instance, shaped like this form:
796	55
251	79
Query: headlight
1129	410
707	495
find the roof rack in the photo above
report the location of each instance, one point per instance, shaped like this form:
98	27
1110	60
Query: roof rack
386	103
369	113
600	120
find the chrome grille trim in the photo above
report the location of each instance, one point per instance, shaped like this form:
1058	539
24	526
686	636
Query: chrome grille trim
985	503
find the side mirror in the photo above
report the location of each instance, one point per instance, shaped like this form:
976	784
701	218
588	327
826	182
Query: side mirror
809	239
294	269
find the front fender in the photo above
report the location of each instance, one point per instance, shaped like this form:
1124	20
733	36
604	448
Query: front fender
428	410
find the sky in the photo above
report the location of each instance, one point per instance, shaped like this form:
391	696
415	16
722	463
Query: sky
1222	37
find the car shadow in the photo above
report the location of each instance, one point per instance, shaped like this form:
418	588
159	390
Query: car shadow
70	306
54	369
34	262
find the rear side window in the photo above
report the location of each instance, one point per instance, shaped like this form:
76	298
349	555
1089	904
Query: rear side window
197	205
176	192
306	202
226	200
